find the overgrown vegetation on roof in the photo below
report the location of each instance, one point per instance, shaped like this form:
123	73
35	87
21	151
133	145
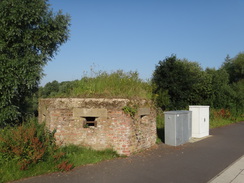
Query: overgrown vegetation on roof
118	84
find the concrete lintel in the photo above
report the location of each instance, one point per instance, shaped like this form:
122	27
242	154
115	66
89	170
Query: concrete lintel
85	112
143	111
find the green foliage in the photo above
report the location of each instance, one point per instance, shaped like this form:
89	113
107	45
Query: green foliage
162	98
130	110
30	35
32	148
234	67
220	89
227	86
179	83
238	103
28	144
160	126
51	89
109	85
223	117
232	94
67	158
78	155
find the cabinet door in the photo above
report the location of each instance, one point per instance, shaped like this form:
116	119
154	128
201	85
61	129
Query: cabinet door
204	121
195	120
179	129
170	130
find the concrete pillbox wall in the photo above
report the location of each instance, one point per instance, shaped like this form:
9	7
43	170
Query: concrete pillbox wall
100	123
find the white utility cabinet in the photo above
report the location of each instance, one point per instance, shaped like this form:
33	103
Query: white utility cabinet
200	120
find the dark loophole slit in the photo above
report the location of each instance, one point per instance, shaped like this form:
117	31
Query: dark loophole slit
90	122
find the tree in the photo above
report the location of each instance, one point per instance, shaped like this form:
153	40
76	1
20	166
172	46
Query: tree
221	93
225	95
51	88
180	83
234	67
30	35
238	87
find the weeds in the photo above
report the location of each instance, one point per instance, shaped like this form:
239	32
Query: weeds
160	126
117	84
65	166
130	111
221	114
223	117
33	149
78	155
28	144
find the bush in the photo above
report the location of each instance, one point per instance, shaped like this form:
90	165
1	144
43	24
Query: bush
28	144
223	117
179	83
221	113
33	149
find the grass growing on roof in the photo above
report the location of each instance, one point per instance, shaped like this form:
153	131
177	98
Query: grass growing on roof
117	84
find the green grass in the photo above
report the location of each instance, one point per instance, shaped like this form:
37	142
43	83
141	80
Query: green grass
223	117
160	127
82	156
215	123
76	155
117	84
9	170
30	150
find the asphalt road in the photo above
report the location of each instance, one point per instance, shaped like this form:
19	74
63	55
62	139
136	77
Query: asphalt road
196	162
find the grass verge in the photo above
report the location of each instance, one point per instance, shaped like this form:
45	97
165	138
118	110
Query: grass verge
70	155
30	150
76	156
223	117
220	122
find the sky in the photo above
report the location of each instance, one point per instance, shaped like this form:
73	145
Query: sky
134	35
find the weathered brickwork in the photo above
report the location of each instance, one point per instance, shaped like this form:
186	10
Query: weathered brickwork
100	123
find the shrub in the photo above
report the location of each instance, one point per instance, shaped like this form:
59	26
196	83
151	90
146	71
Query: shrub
221	113
28	144
130	110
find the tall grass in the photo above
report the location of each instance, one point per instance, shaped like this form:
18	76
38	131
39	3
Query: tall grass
117	84
79	155
76	156
30	150
160	126
223	117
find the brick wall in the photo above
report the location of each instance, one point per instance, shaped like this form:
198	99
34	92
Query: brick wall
100	123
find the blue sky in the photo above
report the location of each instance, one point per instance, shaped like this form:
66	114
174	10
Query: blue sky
134	35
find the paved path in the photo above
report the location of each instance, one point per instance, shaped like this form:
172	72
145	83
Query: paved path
234	173
197	162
